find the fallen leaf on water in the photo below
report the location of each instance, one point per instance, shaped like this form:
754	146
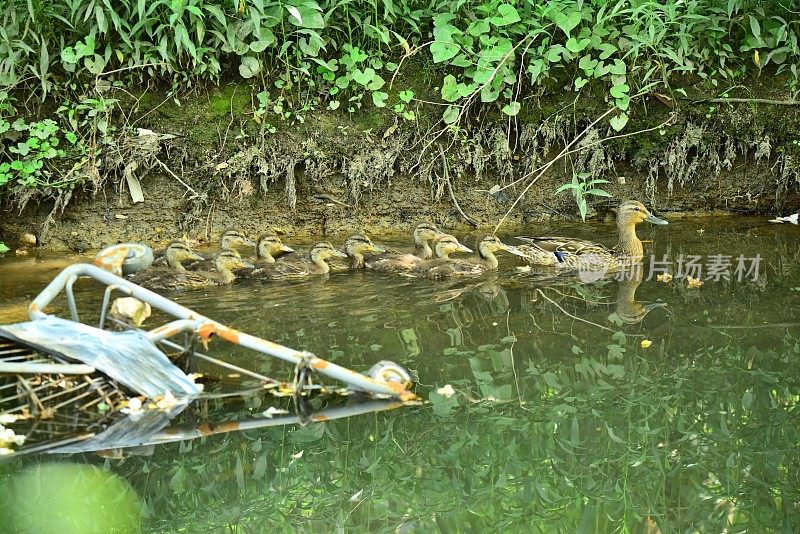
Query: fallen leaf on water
646	343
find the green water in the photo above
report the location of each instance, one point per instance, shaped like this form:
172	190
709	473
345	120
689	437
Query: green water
561	421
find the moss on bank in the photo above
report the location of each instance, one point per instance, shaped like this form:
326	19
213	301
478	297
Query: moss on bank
234	161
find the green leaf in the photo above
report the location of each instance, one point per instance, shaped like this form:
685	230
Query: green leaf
406	96
567	23
747	398
249	67
580	82
379	99
363	77
449	89
618	122
618	91
442	51
450	114
511	109
3	248
575	46
507	15
333	105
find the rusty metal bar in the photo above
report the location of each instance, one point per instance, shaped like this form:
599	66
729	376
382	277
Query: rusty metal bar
189	320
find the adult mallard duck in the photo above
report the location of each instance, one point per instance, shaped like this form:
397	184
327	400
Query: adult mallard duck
581	254
224	264
394	261
355	247
446	267
288	270
268	246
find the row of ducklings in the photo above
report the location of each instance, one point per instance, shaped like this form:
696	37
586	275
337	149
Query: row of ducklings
431	257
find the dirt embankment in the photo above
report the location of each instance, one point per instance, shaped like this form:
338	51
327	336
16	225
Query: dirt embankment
335	173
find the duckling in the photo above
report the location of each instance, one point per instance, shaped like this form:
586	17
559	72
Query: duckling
224	263
398	261
174	255
578	253
314	264
355	247
230	240
445	245
485	261
270	245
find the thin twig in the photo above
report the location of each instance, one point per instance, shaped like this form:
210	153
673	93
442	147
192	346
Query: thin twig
446	173
745	101
184	184
547	165
554	303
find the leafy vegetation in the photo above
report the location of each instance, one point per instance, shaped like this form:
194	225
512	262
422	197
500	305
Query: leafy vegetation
306	55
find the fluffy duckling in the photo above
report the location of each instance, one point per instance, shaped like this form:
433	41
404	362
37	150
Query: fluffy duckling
230	240
485	260
175	254
355	247
268	247
580	254
316	263
397	261
224	264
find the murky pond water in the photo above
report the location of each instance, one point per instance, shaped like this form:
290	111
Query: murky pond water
604	407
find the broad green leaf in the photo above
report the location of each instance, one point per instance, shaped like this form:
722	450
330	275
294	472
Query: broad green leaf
249	67
450	114
575	46
442	51
363	77
406	96
567	23
618	122
511	109
379	99
618	91
580	82
449	89
507	15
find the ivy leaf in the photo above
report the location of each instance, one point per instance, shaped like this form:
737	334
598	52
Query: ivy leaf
450	114
511	109
450	89
575	46
618	122
379	99
567	23
249	67
363	77
406	96
508	15
618	91
442	51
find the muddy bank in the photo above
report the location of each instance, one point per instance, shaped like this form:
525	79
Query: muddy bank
212	167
